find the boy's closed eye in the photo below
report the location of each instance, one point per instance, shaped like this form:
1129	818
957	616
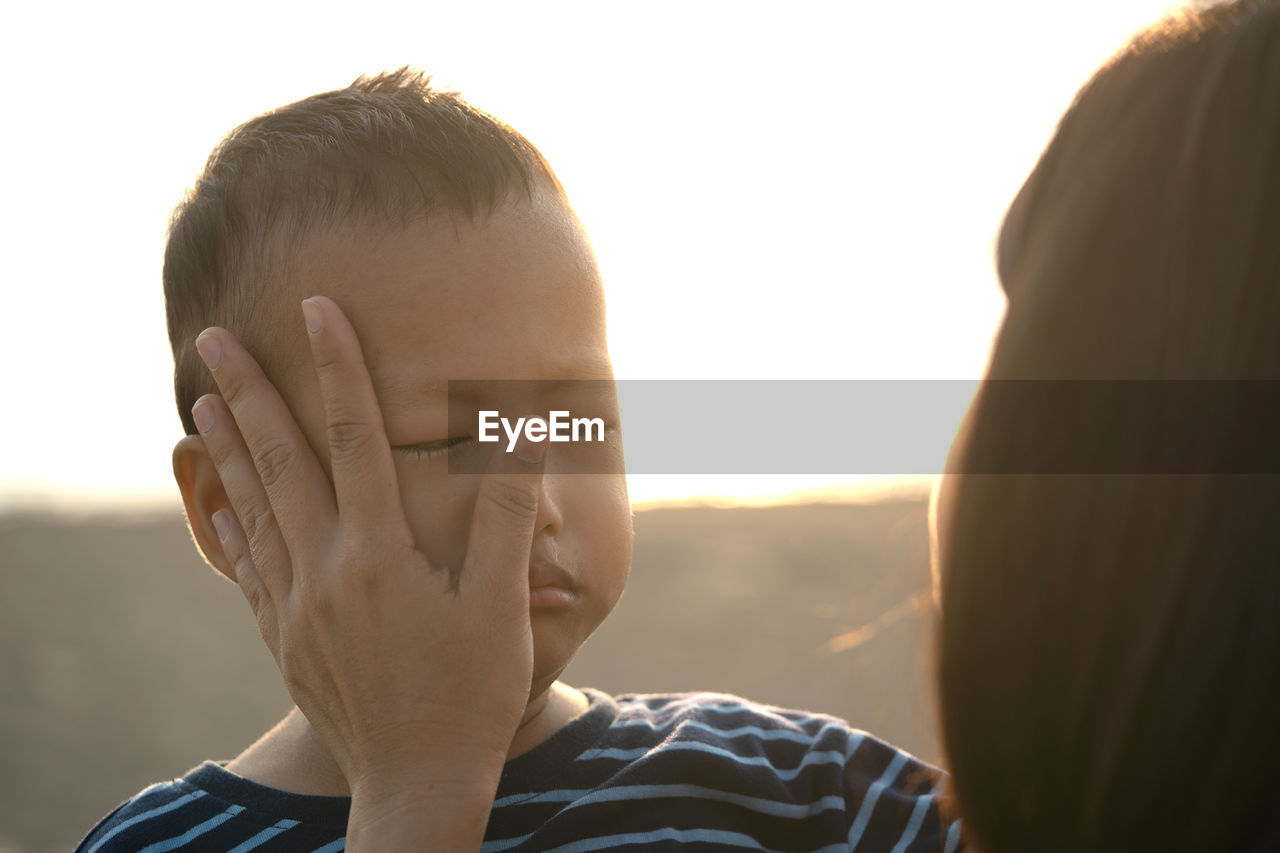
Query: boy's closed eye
435	448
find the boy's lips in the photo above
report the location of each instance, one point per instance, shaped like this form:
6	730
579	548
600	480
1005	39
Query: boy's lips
550	586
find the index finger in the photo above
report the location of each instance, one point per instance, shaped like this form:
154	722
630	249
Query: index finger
364	474
294	483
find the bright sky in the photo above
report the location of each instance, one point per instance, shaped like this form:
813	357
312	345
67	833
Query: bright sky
798	190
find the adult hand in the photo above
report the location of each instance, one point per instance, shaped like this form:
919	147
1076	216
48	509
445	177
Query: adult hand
415	678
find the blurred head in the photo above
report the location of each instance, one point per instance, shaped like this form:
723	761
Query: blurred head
1108	652
449	244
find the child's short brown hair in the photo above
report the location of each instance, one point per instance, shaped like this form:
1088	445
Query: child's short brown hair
389	146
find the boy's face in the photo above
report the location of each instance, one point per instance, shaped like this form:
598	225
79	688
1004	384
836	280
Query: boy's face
512	295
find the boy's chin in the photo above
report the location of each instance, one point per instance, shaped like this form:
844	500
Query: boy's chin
543	681
549	663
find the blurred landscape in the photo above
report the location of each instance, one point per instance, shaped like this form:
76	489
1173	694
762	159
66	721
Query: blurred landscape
124	660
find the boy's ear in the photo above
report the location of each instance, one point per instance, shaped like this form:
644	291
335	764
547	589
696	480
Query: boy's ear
202	496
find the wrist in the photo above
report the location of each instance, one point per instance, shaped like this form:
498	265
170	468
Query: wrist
389	790
441	765
392	812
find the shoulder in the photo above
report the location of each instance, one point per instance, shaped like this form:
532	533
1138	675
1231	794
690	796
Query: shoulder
743	726
792	764
210	809
721	711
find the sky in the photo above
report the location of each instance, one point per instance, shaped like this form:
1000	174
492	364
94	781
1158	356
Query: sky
807	190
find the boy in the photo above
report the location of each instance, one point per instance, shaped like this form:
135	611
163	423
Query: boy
447	241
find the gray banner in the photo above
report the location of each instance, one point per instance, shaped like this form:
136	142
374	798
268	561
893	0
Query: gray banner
889	427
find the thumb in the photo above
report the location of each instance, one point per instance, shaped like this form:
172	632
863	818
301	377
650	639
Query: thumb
502	526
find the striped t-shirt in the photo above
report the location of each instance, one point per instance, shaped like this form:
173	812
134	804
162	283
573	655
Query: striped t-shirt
695	771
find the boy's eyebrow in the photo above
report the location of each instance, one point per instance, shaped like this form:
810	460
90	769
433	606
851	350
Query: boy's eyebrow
468	390
471	391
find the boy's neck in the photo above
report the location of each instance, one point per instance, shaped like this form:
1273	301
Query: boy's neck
291	757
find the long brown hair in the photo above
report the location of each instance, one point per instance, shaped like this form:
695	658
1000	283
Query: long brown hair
1109	646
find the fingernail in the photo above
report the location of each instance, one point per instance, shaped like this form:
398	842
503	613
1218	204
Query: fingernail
202	414
311	312
222	524
210	351
531	452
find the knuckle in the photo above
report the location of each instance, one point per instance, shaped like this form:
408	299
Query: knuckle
236	385
348	436
359	568
346	582
294	681
335	375
327	359
268	629
273	459
258	600
355	546
511	498
246	577
221	451
257	520
260	603
314	598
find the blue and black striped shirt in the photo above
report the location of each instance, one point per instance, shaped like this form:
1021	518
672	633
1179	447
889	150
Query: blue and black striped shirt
692	772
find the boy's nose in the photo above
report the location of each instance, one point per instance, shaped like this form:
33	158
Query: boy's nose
550	518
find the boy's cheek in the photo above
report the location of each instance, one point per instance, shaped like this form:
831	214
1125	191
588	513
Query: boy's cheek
594	521
601	524
438	509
